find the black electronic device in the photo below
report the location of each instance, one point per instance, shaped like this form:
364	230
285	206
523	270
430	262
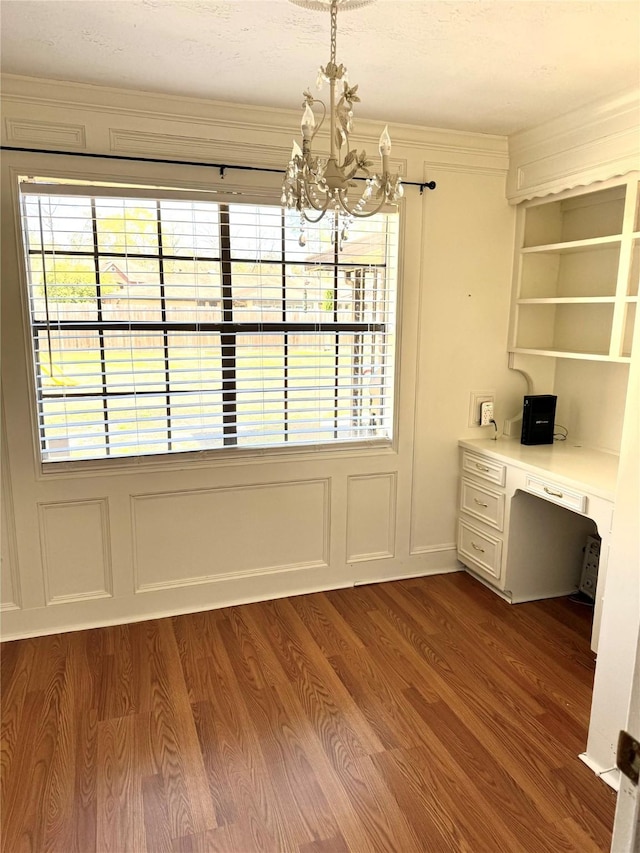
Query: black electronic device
538	419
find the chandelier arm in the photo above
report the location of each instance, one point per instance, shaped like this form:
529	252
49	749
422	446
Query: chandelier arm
312	204
317	219
353	212
357	215
324	115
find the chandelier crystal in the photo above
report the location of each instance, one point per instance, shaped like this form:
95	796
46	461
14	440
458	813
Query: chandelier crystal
314	185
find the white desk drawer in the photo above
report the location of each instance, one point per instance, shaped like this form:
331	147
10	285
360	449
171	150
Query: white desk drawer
482	503
480	466
551	491
483	551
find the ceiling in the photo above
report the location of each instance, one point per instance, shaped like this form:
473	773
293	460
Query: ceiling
495	66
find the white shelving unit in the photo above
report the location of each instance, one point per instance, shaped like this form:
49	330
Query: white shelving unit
576	273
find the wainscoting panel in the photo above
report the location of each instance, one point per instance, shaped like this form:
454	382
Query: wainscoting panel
82	571
45	134
183	538
371	517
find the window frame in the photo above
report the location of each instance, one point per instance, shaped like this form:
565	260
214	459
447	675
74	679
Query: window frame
242	192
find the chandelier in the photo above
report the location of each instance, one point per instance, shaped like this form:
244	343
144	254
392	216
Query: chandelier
314	185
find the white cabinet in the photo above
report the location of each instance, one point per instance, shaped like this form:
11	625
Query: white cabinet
480	549
482	512
576	273
525	513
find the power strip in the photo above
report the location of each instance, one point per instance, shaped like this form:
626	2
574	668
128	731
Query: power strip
486	413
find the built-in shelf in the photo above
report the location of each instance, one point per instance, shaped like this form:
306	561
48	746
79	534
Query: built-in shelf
569	300
559	353
592	244
576	274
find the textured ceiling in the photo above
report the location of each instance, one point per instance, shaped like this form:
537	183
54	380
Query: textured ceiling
480	65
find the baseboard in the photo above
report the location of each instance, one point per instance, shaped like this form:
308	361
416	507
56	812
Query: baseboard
610	775
159	604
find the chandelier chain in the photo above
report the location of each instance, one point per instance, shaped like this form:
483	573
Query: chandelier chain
334	29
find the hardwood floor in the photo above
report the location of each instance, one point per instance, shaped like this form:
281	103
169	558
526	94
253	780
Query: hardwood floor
421	715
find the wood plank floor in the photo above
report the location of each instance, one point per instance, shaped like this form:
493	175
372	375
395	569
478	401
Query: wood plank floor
422	715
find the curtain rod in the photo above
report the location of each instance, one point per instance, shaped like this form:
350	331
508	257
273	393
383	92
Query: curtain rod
429	185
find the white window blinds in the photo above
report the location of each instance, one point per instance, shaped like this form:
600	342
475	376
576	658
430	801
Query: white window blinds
168	325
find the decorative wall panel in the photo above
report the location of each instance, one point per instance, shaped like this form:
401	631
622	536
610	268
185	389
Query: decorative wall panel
76	554
371	517
171	145
183	538
45	134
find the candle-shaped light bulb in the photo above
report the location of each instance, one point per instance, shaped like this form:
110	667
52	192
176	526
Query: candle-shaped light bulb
385	142
308	122
385	149
296	151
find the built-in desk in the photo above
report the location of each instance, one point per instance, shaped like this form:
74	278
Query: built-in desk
526	512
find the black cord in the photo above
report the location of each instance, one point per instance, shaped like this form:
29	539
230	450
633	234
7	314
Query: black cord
560	436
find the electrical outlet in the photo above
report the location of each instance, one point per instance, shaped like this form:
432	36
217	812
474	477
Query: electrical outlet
486	413
476	399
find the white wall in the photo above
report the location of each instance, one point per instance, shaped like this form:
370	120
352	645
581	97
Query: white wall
138	540
591	401
462	339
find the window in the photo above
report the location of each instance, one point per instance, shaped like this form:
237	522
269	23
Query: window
171	324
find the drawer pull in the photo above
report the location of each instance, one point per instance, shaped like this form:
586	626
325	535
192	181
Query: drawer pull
482	467
477	547
476	501
554	494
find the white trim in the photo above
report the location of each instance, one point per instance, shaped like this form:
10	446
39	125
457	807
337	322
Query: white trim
610	775
247	573
378	571
604	110
127	616
594	143
27	98
102	504
53	134
419	550
160	604
469	169
392	478
136	499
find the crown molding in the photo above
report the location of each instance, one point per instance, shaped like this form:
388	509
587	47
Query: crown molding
622	108
21	94
593	143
